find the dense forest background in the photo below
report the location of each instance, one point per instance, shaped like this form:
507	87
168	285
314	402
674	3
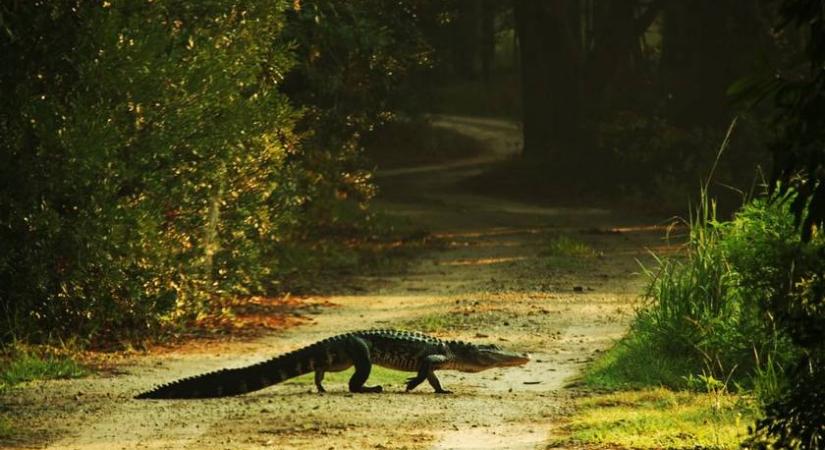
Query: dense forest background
158	159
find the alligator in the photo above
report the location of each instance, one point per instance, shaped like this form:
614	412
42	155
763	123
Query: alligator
394	349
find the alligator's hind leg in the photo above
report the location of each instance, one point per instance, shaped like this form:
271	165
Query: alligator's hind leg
427	372
319	378
360	354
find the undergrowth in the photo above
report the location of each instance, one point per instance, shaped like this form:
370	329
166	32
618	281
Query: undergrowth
706	326
700	317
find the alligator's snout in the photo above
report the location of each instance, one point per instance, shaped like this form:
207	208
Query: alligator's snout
503	358
518	359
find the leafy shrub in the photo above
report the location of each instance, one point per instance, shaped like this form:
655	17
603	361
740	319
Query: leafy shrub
352	59
745	303
709	308
144	174
186	151
783	270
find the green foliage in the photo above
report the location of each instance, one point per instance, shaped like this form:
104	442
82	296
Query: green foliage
698	309
795	420
143	174
743	306
782	271
352	60
779	272
636	362
799	154
796	295
6	428
706	312
186	151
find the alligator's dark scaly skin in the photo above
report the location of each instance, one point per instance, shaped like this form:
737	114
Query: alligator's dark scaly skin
400	350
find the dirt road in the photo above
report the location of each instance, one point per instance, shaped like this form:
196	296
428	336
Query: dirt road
506	275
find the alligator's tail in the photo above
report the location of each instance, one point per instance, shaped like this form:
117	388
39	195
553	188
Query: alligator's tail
228	382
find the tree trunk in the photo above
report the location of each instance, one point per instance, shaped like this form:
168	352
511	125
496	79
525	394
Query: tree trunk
614	68
465	41
707	45
488	39
550	49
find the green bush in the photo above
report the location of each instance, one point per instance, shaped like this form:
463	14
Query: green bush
706	311
352	61
144	174
742	307
184	152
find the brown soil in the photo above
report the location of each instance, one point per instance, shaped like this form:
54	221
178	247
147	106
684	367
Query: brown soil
494	281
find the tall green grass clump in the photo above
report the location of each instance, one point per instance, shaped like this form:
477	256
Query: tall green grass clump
707	312
703	309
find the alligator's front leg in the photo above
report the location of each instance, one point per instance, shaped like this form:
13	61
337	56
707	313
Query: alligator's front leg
359	352
427	372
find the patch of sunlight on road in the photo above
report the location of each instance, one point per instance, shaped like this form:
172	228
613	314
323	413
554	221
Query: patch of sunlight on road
511	437
483	261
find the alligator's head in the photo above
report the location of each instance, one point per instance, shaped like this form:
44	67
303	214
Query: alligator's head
475	358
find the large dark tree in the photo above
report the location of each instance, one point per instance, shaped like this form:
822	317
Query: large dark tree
615	67
551	60
569	73
707	45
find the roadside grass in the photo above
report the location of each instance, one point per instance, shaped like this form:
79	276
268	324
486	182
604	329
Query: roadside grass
651	404
657	418
20	365
566	246
701	358
633	363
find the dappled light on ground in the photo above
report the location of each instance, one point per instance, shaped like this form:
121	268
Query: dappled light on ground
483	261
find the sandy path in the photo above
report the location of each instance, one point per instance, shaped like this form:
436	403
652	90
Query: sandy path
492	283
